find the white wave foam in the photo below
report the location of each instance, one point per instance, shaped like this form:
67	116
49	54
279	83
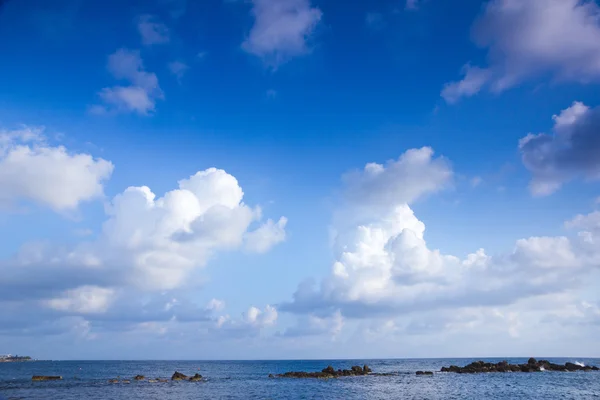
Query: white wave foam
542	369
579	363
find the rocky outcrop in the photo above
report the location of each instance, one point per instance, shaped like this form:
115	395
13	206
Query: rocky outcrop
532	365
424	373
46	378
178	376
196	378
328	373
139	378
113	381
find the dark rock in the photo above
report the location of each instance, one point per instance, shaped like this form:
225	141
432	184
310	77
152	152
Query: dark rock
196	378
139	378
178	376
329	372
532	365
46	378
424	373
271	376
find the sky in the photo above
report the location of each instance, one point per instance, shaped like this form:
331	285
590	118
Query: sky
291	179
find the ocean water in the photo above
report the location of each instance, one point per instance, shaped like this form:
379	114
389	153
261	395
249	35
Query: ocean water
249	380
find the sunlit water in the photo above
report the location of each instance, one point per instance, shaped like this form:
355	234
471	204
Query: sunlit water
249	380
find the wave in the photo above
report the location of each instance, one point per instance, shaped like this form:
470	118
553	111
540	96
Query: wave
579	363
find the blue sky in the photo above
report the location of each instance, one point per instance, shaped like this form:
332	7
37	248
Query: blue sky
371	148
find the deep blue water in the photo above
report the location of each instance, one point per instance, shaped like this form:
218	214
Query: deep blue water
249	380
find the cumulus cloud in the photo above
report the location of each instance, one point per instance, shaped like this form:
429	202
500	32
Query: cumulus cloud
148	243
570	152
252	322
281	29
33	170
527	39
142	91
152	31
384	267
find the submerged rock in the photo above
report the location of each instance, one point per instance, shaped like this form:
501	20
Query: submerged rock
178	376
46	378
113	381
139	377
328	373
424	373
532	365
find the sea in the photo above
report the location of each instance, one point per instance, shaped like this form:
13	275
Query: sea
249	380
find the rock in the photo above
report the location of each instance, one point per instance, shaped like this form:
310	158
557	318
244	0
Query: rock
178	376
532	365
113	381
139	378
46	378
152	380
271	376
424	373
196	378
328	373
329	370
126	381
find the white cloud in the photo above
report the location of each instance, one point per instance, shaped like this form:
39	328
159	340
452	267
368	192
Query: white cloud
215	305
384	267
152	243
33	170
268	235
139	96
281	29
83	300
570	152
178	69
475	78
527	39
152	31
252	322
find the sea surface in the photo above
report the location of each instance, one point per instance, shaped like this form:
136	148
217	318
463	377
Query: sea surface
249	380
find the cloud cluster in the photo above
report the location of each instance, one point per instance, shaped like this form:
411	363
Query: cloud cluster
530	38
281	29
142	89
33	170
384	267
148	246
571	151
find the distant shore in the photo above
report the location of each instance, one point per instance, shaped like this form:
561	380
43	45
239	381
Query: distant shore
15	359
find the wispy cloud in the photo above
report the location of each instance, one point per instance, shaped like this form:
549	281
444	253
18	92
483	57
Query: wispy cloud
152	31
